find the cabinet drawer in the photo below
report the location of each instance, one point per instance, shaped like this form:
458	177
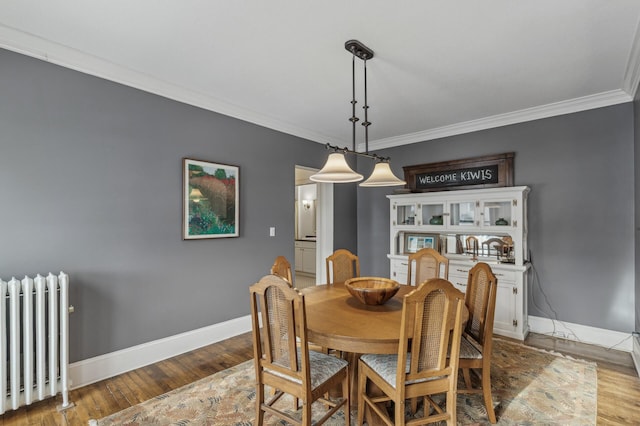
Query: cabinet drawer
502	275
505	276
459	281
399	270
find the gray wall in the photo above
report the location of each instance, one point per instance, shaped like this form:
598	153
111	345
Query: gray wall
580	168
91	183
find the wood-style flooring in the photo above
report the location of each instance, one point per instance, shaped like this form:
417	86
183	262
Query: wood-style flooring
618	383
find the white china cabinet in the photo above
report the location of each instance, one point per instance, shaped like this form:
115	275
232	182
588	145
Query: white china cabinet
469	226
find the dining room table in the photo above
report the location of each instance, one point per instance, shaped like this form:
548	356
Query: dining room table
338	321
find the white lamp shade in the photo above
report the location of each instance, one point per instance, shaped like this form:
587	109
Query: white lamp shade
382	176
336	170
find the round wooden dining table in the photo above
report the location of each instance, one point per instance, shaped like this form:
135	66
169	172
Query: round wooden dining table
337	320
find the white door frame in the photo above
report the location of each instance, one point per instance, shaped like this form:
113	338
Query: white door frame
324	228
324	225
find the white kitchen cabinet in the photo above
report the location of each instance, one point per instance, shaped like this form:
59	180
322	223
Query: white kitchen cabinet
305	256
446	219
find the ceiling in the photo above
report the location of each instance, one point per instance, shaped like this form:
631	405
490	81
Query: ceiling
440	68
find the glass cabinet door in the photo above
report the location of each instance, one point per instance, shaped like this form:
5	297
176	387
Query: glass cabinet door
432	214
405	214
463	213
497	213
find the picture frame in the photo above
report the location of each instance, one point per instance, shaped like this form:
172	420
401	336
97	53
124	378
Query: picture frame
418	241
210	200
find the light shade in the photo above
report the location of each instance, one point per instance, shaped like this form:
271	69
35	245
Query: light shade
382	176
336	170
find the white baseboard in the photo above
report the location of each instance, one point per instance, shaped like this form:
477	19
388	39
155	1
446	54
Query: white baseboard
581	333
635	354
102	367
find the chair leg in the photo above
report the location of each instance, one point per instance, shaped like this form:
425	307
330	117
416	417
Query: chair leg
399	414
347	396
467	377
259	402
451	407
306	414
414	405
362	387
486	391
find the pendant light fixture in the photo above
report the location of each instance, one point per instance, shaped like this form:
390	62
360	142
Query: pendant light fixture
336	169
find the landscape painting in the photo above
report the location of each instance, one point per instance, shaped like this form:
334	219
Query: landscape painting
210	200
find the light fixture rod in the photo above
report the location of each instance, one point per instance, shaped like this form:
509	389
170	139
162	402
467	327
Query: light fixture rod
353	118
366	122
346	150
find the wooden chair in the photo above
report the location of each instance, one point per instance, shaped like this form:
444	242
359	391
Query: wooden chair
429	263
476	344
431	324
344	265
282	268
493	243
281	364
471	246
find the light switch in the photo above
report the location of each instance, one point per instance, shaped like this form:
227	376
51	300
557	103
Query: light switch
272	231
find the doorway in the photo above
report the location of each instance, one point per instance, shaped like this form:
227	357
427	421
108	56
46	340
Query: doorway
319	211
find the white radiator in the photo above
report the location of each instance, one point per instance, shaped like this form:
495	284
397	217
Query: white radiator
34	340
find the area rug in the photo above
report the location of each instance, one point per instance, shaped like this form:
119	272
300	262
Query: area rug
530	387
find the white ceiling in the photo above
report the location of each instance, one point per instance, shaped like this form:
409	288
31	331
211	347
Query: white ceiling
440	68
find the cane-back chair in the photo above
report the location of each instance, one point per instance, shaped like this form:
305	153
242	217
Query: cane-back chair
431	326
282	268
283	360
428	264
341	266
477	339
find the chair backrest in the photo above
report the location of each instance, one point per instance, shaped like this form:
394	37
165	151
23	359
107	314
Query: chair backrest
471	245
282	268
431	330
344	265
429	263
482	287
493	243
281	310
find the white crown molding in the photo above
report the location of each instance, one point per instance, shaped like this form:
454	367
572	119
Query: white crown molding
37	47
599	100
632	72
102	367
45	50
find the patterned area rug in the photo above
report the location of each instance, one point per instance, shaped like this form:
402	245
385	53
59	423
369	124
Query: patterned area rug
530	387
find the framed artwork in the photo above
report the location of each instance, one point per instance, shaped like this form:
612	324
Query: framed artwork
210	198
415	242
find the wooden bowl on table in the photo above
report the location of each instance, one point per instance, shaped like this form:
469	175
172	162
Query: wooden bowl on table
372	290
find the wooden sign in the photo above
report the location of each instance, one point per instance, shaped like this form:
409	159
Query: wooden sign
478	172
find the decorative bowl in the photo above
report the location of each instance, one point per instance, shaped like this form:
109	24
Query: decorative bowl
372	290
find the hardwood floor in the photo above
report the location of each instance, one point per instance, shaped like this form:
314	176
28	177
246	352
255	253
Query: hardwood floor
618	383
